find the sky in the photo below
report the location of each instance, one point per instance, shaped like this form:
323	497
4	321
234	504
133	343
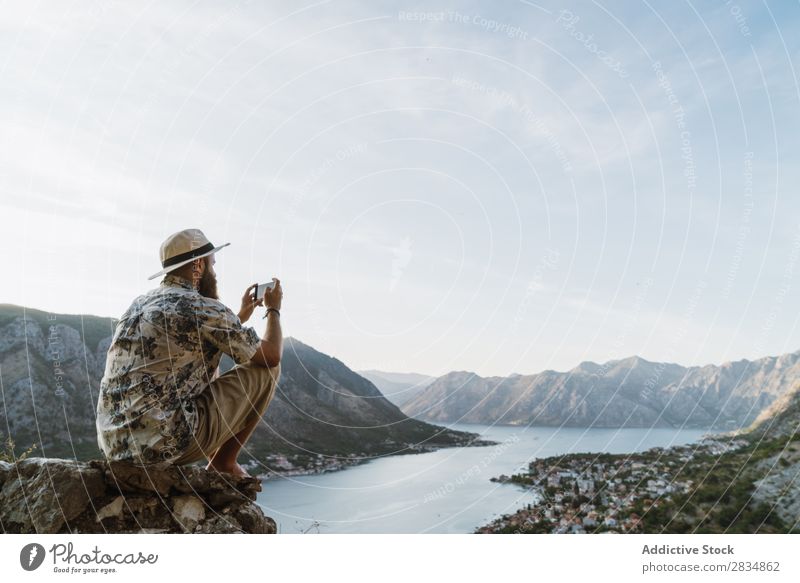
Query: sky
497	187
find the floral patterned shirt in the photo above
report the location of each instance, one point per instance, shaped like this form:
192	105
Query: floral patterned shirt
165	350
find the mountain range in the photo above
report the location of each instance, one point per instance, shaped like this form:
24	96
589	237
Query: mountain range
51	366
632	392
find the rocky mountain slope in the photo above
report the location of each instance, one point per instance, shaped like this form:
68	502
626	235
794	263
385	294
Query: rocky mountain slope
626	393
777	431
322	406
780	419
51	366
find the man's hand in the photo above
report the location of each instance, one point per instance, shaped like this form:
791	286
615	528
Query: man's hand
248	304
273	297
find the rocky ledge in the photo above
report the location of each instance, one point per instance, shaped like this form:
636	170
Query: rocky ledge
43	495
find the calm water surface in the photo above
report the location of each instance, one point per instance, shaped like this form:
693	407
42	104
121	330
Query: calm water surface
447	491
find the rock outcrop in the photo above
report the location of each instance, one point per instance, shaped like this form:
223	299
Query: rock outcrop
46	496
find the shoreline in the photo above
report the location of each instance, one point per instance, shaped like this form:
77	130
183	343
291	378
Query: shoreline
342	463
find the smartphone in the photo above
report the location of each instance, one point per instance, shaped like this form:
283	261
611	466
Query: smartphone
258	293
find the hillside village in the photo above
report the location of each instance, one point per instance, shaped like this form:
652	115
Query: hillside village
595	493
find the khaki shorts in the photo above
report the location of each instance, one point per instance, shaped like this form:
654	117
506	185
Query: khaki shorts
227	405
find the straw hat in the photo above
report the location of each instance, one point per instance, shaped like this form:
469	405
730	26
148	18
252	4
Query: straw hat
184	247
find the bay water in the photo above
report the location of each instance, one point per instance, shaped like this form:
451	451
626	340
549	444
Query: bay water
446	491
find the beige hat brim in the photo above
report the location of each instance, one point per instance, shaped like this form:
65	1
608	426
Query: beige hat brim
182	263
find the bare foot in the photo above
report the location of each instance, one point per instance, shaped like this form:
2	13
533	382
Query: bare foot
240	471
235	469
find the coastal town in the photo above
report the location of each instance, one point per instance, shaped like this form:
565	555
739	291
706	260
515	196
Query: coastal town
601	493
280	465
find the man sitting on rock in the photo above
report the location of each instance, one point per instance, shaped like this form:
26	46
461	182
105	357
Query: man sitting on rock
161	400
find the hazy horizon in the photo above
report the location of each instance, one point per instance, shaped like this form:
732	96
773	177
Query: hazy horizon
460	186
